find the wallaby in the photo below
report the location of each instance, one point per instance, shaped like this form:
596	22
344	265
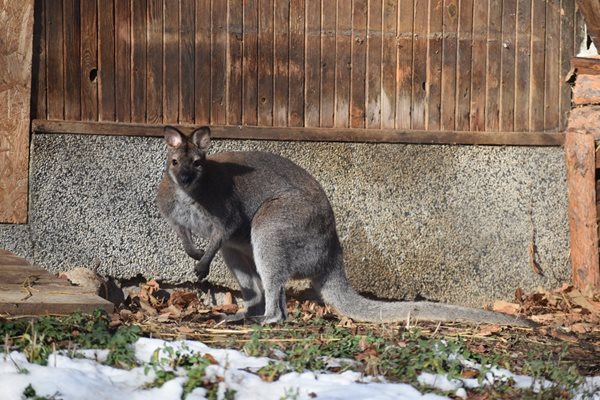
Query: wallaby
272	222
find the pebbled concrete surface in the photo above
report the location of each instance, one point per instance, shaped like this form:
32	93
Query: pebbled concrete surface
447	223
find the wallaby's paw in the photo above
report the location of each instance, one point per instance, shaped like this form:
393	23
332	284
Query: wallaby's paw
201	271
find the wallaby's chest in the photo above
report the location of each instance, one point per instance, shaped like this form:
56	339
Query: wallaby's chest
188	213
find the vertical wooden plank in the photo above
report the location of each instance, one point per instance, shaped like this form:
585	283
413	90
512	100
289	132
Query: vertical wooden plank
583	225
434	66
186	61
494	66
420	65
281	76
523	65
234	63
72	60
89	61
123	60
202	82
296	63
359	64
389	64
508	48
567	50
328	61
479	65
538	67
343	63
138	60
312	63
218	78
463	65
552	81
106	60
16	31
55	57
580	30
449	53
171	62
265	62
250	62
154	67
38	69
374	43
405	64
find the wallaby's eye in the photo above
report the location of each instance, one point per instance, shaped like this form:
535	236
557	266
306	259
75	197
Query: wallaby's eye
174	162
197	163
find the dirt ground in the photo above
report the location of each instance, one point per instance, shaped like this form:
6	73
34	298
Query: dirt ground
569	321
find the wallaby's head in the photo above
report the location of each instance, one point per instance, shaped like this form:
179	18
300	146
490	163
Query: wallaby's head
186	155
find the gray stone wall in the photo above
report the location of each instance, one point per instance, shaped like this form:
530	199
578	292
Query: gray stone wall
447	223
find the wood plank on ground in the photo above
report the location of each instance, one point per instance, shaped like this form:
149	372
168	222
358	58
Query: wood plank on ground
27	289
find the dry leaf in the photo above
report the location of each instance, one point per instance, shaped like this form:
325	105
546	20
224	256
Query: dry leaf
580	328
519	293
147	308
226	308
182	299
506	307
185	330
545	318
488	330
228	299
469	374
211	359
578	298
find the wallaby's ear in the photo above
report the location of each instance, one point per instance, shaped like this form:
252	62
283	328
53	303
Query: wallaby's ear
201	137
173	137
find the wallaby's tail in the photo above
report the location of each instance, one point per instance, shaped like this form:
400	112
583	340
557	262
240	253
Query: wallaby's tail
337	292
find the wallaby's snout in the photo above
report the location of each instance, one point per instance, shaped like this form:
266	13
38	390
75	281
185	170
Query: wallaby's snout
187	177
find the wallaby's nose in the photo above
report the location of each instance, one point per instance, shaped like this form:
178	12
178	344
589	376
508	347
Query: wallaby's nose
186	177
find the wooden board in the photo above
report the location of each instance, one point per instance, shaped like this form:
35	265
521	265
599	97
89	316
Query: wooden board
26	289
314	134
16	31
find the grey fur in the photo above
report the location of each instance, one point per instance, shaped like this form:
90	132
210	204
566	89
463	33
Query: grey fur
272	222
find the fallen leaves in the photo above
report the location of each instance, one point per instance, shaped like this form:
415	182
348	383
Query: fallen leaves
149	302
574	310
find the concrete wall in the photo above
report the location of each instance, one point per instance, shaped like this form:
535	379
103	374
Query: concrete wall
448	223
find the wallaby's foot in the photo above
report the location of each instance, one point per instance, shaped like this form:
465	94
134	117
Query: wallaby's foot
201	270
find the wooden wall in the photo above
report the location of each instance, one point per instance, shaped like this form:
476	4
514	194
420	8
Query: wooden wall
423	65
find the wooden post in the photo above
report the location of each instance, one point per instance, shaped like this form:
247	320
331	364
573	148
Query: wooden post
16	31
583	225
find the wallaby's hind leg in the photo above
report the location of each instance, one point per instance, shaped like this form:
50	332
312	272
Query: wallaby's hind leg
243	268
288	241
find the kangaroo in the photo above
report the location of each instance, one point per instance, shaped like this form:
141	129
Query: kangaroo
272	222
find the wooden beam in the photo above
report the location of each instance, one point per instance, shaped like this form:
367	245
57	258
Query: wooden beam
313	134
586	65
16	31
583	225
590	9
